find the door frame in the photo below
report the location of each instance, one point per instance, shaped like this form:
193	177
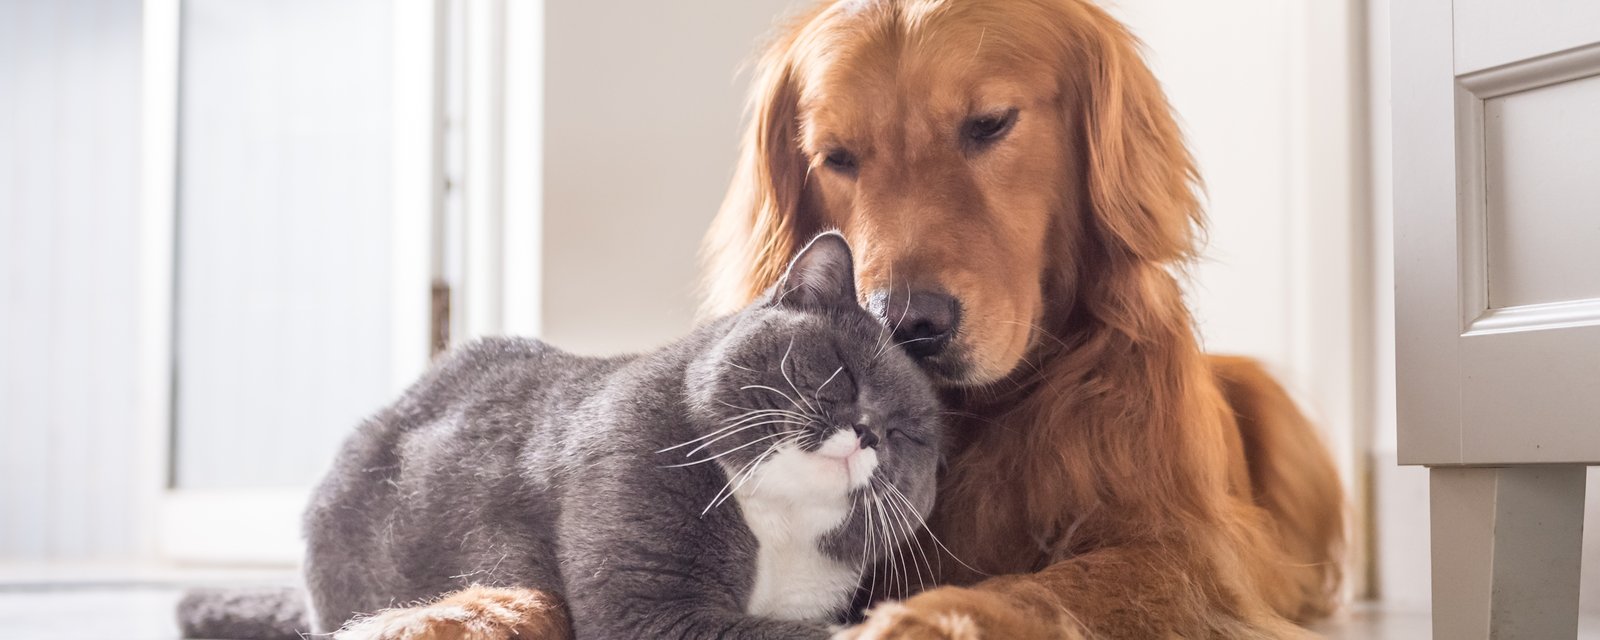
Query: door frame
497	185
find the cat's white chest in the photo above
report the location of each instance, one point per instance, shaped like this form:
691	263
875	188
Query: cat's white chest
789	510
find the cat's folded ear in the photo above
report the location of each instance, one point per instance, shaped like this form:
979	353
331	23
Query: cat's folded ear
822	275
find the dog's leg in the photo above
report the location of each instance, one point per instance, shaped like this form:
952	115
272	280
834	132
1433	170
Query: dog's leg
1133	592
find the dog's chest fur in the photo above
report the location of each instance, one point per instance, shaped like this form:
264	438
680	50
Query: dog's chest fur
794	578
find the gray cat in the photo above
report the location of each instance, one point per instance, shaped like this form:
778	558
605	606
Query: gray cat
735	484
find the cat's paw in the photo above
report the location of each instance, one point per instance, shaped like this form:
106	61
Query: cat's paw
474	613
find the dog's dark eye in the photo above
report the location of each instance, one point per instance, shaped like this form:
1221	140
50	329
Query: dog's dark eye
841	161
988	128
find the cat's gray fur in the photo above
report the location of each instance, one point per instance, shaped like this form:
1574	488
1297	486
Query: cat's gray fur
513	463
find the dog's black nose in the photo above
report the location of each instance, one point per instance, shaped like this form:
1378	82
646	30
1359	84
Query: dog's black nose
924	323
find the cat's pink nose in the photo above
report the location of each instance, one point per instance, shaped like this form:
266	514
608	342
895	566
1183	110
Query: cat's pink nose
842	444
866	437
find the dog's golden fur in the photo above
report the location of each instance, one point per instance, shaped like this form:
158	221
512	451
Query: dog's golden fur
1118	481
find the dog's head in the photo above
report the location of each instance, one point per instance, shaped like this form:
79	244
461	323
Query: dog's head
998	164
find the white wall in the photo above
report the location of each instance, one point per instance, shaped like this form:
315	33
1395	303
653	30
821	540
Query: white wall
1226	71
642	112
69	168
1266	93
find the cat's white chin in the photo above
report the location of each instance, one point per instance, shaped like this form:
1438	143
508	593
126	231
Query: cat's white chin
825	475
795	499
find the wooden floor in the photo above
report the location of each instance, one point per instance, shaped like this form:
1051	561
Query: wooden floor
134	612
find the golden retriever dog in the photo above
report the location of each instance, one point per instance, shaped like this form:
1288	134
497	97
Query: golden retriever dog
1020	200
1021	205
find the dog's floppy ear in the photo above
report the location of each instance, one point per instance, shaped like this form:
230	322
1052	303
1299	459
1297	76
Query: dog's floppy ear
1140	177
756	230
822	276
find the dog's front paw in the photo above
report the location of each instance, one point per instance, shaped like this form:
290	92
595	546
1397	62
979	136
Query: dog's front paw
475	613
954	613
896	621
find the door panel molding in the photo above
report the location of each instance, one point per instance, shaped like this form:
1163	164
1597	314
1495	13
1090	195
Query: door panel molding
1474	94
1535	317
1533	73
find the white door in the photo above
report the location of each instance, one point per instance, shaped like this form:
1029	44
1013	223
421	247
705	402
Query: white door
1497	269
292	179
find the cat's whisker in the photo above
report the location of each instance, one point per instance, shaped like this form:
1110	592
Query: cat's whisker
901	527
716	498
775	413
869	564
749	470
888	333
885	540
719	455
765	412
792	401
745	422
818	393
917	550
899	542
783	369
899	547
906	342
935	538
731	405
861	506
723	430
884	349
883	543
782	443
888	339
919	560
720	431
877	559
795	435
900	344
868	561
904	311
747	427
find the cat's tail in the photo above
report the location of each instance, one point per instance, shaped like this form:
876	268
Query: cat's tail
275	613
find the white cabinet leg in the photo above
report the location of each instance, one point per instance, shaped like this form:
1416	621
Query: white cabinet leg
1506	548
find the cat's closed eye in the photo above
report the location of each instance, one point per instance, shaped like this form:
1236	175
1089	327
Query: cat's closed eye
900	433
